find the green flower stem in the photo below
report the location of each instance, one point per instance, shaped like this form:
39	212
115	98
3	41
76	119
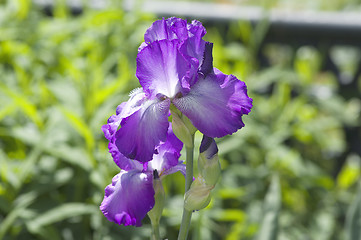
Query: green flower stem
187	215
189	167
186	221
155	231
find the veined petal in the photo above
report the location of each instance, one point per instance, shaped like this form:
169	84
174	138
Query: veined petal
122	161
215	104
137	98
161	68
167	153
181	167
171	28
196	28
187	38
128	199
194	46
207	62
142	131
113	123
239	100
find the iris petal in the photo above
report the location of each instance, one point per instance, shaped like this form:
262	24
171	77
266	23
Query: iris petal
194	46
128	199
215	104
171	28
176	28
168	153
181	167
113	123
142	131
161	68
137	98
187	38
122	161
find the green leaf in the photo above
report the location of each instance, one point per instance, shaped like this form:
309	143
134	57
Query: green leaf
67	94
228	215
20	204
272	206
24	104
9	220
58	214
76	156
7	110
81	127
350	172
353	217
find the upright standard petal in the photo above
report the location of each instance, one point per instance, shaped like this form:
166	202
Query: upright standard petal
215	104
142	131
187	39
161	68
188	35
195	28
128	199
171	28
194	46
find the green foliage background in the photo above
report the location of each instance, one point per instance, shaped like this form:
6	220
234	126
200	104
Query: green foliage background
61	77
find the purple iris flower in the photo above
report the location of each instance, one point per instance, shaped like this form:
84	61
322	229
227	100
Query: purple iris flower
174	66
130	196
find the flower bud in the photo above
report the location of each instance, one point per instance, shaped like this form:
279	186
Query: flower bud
192	129
182	127
208	162
198	196
159	196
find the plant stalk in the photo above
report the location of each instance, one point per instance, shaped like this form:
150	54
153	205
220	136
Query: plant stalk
155	232
187	215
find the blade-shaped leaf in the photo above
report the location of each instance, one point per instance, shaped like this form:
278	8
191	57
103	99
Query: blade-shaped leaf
353	218
58	214
272	206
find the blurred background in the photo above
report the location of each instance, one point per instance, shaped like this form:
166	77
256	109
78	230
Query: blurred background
292	173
